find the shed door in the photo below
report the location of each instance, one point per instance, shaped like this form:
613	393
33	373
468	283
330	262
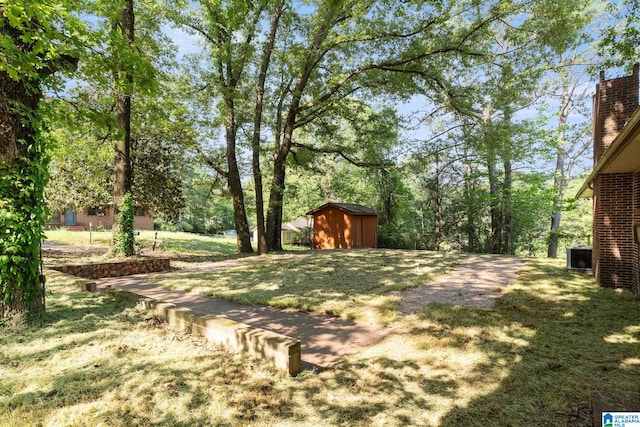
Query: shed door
358	231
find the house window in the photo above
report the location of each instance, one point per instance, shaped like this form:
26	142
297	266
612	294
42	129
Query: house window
95	212
138	211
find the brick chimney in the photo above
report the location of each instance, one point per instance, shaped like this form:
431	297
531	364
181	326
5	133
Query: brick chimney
615	101
615	253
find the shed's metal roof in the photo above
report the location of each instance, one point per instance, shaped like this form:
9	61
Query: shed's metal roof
348	207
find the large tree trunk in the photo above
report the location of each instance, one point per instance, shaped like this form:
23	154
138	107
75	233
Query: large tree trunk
560	178
16	133
23	175
507	189
276	200
437	232
507	219
243	232
276	194
122	160
556	213
471	213
496	212
122	174
263	247
22	178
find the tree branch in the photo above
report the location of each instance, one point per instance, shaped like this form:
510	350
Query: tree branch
341	152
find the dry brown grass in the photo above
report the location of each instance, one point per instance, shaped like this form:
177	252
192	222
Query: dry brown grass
553	340
351	284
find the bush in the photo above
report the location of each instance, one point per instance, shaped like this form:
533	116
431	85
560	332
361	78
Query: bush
392	239
162	224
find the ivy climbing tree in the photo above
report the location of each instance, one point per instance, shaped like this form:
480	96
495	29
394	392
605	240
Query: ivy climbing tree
124	238
33	46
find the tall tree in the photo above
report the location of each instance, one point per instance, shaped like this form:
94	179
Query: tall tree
123	24
505	82
356	47
314	55
568	61
265	61
620	38
122	62
571	142
35	42
161	131
228	31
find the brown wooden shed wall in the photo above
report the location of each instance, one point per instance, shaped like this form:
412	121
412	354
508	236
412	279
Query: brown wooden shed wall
334	228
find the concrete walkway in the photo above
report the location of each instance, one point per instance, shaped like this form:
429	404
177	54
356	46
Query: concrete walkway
477	283
325	339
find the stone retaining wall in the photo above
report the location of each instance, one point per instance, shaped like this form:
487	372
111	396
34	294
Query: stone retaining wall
115	269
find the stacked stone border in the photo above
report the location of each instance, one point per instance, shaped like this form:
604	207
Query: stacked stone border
116	268
280	350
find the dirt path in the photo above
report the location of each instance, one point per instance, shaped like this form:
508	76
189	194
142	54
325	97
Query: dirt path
476	283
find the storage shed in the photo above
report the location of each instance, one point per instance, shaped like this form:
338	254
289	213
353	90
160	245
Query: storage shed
344	226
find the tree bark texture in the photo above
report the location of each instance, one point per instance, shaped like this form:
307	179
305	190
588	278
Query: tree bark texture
122	171
560	178
263	247
559	187
122	146
437	214
496	214
276	200
471	213
507	217
276	194
243	233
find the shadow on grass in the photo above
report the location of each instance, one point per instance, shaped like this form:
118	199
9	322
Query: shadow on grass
188	258
376	391
551	343
553	340
583	342
82	366
81	317
326	282
97	360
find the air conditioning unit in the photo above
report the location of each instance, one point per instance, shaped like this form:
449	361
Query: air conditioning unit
579	258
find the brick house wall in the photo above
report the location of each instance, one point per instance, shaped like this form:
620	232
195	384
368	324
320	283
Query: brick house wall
616	196
636	220
82	220
615	258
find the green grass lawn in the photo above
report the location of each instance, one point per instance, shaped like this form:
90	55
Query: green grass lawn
184	248
552	342
352	284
